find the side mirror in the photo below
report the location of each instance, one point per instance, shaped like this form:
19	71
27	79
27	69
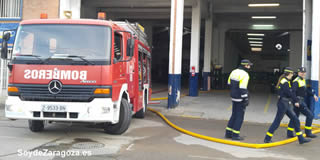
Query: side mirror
4	49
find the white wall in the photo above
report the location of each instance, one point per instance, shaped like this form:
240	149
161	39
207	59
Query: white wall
70	5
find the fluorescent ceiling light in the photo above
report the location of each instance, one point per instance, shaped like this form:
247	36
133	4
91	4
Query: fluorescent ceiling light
264	5
255	34
259	39
256	49
256	45
256	42
263	25
263	17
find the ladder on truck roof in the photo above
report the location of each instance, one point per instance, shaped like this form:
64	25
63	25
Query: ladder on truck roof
135	28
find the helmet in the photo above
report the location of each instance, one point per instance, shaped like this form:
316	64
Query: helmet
302	69
288	70
246	62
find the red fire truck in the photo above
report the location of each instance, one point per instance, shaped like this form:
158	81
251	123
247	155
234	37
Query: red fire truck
78	71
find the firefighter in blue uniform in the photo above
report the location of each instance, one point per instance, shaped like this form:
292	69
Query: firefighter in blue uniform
286	98
238	81
300	90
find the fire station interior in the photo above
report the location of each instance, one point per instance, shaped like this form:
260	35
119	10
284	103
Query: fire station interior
239	32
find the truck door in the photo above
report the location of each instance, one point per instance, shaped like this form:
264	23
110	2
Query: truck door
118	70
131	72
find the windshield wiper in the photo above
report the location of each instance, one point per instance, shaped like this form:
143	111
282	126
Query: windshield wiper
35	56
65	56
83	59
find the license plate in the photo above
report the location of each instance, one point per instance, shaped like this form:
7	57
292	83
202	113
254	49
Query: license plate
53	108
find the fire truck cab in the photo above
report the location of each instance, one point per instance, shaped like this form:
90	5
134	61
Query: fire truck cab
78	71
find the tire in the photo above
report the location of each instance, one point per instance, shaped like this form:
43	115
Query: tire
36	125
124	120
141	113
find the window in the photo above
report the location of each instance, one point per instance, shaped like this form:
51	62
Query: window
117	46
10	9
26	44
52	40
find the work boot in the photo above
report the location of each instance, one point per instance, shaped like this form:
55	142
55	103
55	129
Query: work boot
290	134
237	137
228	134
309	134
303	140
267	139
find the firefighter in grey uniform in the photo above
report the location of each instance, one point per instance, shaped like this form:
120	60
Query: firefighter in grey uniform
300	90
238	81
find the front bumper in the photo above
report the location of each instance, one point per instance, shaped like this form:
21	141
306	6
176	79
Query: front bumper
98	110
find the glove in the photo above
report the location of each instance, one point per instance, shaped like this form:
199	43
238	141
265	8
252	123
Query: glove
245	102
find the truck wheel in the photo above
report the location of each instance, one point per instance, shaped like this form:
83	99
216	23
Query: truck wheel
36	125
124	120
142	112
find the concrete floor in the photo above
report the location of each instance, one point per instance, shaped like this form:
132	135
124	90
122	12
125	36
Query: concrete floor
151	138
148	138
216	104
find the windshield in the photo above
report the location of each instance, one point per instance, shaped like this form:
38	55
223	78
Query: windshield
71	43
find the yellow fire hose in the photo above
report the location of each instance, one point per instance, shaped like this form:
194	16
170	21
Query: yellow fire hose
235	143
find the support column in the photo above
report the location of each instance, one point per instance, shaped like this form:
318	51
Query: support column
315	49
175	53
70	5
195	49
207	55
307	36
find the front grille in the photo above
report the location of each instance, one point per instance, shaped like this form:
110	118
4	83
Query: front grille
69	93
54	114
72	115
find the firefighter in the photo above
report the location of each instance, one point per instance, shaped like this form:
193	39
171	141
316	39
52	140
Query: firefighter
286	98
301	91
238	81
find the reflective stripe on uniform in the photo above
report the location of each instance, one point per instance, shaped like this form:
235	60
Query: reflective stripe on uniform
269	134
236	100
290	129
244	95
299	133
240	76
286	70
237	132
301	82
229	129
306	127
283	81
